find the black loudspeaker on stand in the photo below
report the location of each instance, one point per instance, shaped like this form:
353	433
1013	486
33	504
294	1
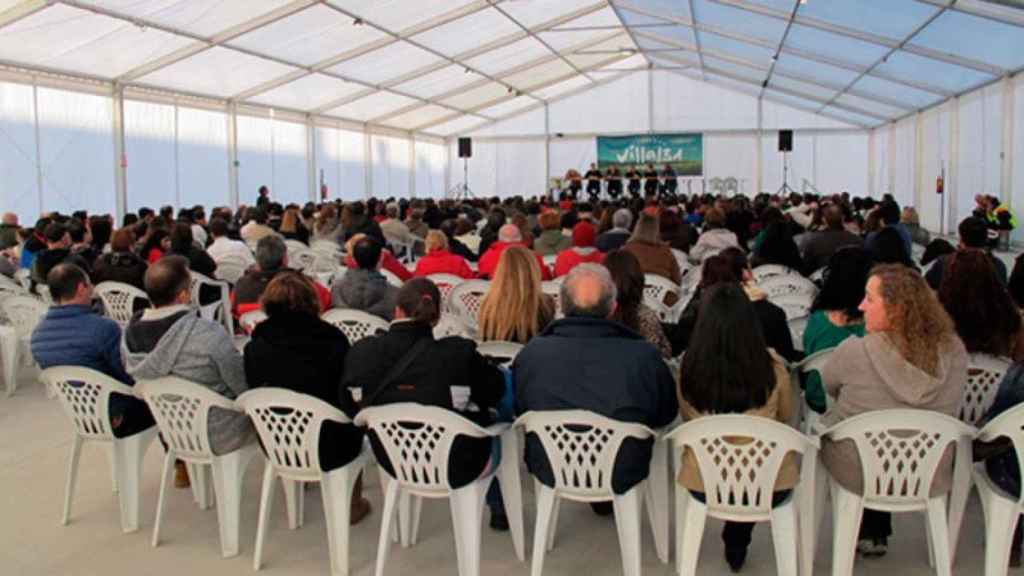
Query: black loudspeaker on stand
785	146
461	191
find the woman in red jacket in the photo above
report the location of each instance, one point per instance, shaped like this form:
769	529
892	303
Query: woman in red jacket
438	260
582	250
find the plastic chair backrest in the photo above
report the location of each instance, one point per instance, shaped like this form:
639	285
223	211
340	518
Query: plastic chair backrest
553	289
294	246
85	395
682	261
504	352
251	319
24	277
1009	424
465	300
391	278
219	309
417	440
984	373
180	409
449	325
816	361
44	294
356	324
325	246
657	287
581	447
24	312
231	268
445	283
302	259
550	259
288	424
900	451
10	285
739	458
766	271
794	305
119	300
786	285
797	327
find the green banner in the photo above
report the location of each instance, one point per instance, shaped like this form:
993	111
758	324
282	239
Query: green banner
684	152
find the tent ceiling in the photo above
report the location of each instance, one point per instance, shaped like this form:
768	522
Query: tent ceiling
445	66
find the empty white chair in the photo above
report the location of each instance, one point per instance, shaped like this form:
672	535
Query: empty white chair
581	447
288	424
119	300
504	352
900	452
356	324
181	409
984	373
24	313
465	300
219	310
1000	508
417	440
251	319
786	285
445	283
85	397
739	458
766	271
448	325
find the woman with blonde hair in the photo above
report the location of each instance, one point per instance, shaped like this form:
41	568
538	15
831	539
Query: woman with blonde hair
514	308
911	357
439	260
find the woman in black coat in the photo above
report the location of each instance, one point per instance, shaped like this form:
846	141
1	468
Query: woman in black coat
294	349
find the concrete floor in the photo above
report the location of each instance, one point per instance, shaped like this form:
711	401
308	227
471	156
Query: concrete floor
34	444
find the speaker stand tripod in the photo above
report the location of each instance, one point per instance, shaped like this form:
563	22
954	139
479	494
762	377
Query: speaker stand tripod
461	191
785	188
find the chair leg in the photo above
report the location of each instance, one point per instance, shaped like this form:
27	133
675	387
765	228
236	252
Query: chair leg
467	504
128	455
198	477
546	502
69	489
292	493
695	516
847	510
405	517
657	499
937	520
160	500
785	537
9	353
628	516
512	489
113	467
554	524
387	518
385	481
962	482
336	491
228	472
266	504
1000	517
417	510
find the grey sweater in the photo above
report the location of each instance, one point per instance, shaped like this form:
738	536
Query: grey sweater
177	342
366	290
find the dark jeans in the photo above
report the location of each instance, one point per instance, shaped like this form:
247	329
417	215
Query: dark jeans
737	534
875	525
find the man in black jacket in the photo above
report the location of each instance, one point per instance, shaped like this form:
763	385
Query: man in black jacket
585	361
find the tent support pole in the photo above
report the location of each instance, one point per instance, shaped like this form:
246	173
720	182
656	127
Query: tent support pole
120	167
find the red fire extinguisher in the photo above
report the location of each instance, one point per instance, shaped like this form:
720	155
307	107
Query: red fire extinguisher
939	184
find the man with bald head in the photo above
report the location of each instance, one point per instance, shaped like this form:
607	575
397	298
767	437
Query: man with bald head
586	361
508	235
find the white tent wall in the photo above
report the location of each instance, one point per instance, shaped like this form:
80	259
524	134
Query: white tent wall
19	179
391	165
503	168
430	169
340	157
1015	153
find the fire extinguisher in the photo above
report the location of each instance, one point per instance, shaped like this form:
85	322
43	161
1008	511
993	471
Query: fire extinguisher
939	184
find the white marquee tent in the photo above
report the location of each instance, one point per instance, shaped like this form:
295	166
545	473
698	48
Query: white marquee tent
110	105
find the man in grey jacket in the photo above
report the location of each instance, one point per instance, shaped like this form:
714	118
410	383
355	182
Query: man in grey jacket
365	288
171	339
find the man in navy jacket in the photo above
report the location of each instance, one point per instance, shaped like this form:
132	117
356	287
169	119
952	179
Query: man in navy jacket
72	334
587	362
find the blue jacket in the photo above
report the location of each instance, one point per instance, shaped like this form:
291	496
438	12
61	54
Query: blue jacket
74	335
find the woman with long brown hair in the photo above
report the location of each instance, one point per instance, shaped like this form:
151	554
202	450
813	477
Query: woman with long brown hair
514	308
629	297
292	227
911	357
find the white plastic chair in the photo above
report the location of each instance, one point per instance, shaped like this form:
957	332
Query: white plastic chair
85	395
294	246
766	271
302	258
550	260
251	319
814	362
448	325
786	285
417	440
739	482
44	294
181	409
24	313
984	373
794	305
900	452
581	447
554	290
797	327
23	276
465	300
505	352
326	247
1000	508
445	283
682	260
657	288
288	424
818	275
391	278
356	324
218	310
231	268
119	300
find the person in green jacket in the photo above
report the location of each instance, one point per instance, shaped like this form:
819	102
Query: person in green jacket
834	314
